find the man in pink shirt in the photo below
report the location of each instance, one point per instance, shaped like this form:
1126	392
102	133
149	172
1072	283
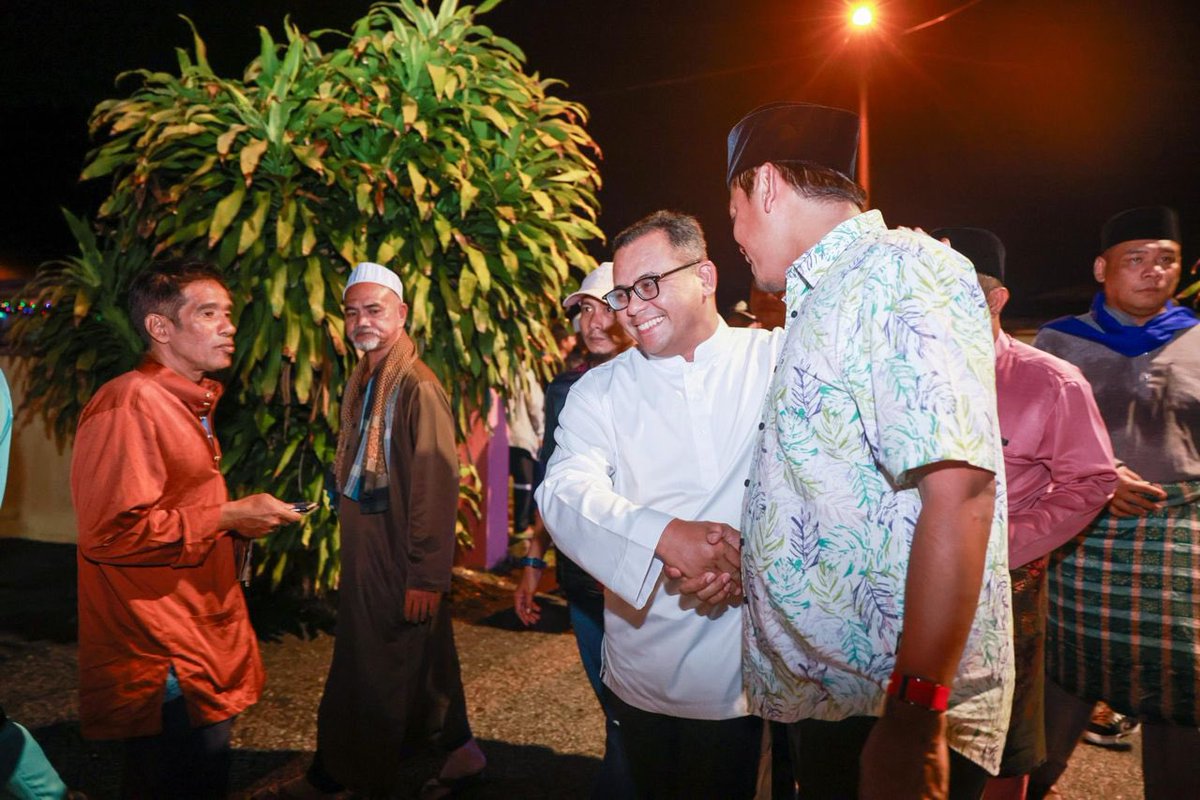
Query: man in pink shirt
1059	471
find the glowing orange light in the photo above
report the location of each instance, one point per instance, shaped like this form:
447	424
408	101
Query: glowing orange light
862	16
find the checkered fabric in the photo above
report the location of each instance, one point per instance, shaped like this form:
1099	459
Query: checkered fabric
1124	622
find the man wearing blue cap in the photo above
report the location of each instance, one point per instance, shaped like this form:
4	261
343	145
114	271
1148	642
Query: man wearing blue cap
1124	605
876	500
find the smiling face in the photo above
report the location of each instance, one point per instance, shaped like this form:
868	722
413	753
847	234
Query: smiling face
200	339
375	318
683	314
601	330
1139	276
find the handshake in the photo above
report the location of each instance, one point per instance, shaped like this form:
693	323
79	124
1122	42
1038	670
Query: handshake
706	557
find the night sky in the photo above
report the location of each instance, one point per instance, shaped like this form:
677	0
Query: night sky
1037	119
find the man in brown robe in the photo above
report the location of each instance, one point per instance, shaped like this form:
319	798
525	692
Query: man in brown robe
394	684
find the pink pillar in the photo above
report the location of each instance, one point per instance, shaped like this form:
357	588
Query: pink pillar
489	454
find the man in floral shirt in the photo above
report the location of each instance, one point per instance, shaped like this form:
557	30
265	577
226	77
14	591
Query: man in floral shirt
876	502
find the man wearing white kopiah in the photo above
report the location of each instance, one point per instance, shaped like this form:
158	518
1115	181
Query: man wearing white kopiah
653	451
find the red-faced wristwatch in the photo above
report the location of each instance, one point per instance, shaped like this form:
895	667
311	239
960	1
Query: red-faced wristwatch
919	692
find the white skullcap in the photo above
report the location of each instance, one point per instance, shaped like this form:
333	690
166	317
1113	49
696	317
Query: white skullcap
367	272
598	283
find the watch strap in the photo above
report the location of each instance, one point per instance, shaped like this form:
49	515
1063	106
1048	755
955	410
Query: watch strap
919	692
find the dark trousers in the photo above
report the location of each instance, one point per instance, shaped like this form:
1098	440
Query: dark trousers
587	621
825	757
1170	753
783	777
181	762
521	465
690	759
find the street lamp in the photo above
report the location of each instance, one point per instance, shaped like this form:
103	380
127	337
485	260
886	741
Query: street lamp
862	18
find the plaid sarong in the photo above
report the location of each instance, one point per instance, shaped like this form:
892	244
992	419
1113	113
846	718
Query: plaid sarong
1124	623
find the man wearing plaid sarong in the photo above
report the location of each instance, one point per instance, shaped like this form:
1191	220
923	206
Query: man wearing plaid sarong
1124	622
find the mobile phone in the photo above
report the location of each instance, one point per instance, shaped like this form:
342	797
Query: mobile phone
304	506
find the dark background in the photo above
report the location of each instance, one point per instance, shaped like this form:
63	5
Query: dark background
1037	119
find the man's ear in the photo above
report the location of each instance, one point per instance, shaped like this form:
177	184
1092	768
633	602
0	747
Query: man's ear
159	327
997	299
403	313
707	271
768	182
1098	268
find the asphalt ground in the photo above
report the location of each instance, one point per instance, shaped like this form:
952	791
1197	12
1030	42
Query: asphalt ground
530	704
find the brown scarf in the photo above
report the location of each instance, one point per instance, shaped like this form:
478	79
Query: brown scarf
373	492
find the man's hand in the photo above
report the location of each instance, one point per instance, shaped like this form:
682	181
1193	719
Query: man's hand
1134	497
528	611
709	589
420	605
905	757
256	515
707	555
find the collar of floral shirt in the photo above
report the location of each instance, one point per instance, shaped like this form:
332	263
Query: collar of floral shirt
807	270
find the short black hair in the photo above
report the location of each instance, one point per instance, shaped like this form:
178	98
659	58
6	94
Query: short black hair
159	290
811	181
683	232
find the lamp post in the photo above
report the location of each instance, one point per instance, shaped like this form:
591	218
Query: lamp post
862	18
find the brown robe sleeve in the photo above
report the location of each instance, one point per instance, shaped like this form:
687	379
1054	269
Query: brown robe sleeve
433	490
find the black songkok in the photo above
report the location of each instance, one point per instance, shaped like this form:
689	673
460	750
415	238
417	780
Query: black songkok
826	137
981	247
1148	222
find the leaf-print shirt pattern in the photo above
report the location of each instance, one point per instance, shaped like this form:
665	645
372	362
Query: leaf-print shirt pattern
887	366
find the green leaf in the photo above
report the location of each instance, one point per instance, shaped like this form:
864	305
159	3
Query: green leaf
418	181
278	285
309	156
362	197
314	280
103	165
285	224
438	75
493	116
252	228
466	289
250	156
223	215
226	139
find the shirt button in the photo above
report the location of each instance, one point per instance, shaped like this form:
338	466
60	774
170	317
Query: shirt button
747	483
762	425
794	313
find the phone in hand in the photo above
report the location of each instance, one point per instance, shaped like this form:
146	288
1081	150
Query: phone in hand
304	506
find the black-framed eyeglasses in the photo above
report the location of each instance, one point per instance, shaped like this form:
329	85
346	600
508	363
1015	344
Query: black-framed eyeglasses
645	287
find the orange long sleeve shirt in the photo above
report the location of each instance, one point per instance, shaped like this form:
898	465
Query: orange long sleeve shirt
157	578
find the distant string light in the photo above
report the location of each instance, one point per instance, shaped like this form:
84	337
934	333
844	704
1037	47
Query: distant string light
23	308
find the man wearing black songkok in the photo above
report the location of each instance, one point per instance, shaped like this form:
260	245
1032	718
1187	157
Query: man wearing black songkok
874	503
1124	623
1059	473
